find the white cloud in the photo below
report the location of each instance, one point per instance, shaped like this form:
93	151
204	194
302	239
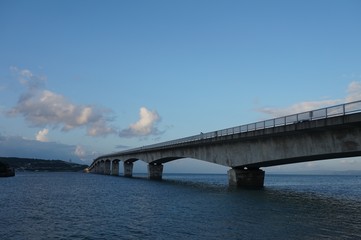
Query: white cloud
353	91
84	115
145	126
41	135
27	78
79	151
298	108
83	154
41	108
353	94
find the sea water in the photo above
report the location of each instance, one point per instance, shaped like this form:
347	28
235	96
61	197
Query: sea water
181	206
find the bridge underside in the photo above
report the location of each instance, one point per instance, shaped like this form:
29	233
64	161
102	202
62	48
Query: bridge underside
302	159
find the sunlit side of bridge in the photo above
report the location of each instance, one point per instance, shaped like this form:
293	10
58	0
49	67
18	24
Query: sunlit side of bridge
327	133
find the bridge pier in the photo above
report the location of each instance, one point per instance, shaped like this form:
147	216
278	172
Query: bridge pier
128	169
96	168
101	167
155	171
115	167
246	178
107	167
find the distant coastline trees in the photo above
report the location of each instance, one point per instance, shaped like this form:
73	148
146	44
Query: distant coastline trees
28	164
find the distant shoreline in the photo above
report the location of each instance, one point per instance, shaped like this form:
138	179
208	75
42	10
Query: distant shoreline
41	165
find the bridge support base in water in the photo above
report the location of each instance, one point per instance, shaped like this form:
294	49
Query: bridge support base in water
155	171
128	169
246	178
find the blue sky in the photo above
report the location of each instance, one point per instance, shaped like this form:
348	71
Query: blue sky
83	78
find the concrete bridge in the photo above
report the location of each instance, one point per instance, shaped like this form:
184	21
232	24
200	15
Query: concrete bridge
327	133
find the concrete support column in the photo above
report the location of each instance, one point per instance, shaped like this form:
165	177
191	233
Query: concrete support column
101	167
115	167
246	178
107	168
128	169
98	167
155	171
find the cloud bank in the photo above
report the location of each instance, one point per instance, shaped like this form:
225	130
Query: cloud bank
16	146
145	126
44	108
353	94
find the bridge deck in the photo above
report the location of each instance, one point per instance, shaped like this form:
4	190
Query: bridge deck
320	118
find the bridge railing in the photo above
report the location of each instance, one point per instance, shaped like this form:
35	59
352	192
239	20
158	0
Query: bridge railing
323	113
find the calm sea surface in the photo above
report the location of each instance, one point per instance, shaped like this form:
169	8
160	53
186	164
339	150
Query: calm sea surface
89	206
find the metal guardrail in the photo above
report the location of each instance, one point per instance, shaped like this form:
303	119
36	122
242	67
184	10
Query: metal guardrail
323	113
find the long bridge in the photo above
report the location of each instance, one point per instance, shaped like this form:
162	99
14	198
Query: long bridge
327	133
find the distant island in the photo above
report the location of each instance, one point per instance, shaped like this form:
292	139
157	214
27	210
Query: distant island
30	164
